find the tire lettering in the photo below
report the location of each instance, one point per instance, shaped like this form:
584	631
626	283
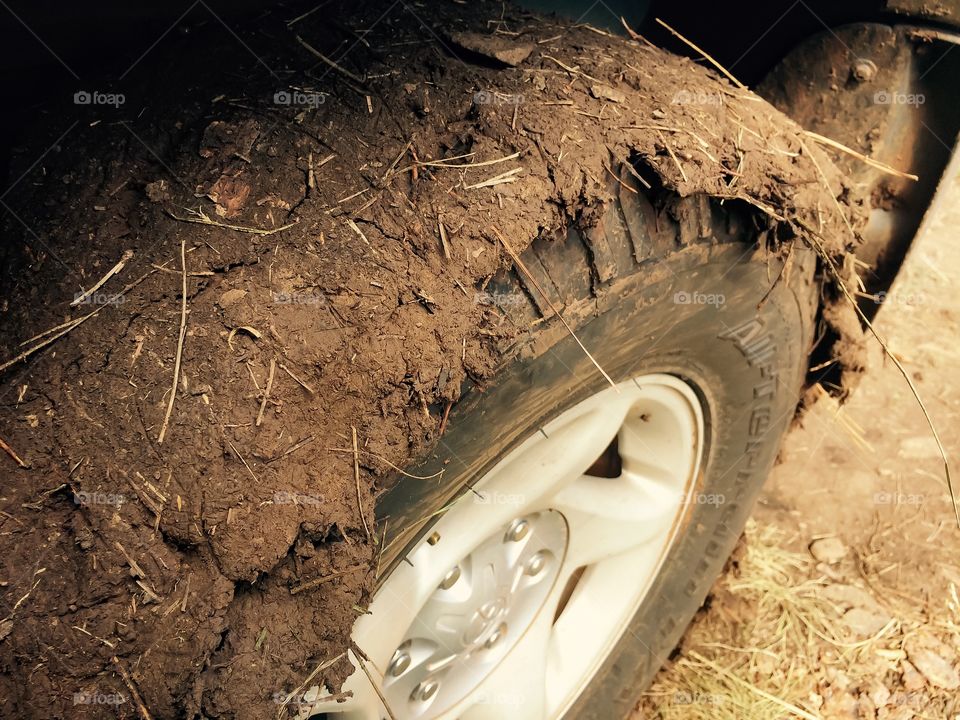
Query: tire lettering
757	347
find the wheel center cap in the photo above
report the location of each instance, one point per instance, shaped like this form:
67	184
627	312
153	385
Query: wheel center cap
482	606
483	620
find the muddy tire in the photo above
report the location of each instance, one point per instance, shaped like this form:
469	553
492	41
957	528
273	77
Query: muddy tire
356	262
650	292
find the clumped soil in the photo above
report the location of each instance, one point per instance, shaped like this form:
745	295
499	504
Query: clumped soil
335	295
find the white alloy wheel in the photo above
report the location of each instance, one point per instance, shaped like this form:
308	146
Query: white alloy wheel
523	586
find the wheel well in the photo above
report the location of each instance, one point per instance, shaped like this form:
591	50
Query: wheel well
758	43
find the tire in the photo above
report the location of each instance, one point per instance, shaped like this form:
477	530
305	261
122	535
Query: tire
621	288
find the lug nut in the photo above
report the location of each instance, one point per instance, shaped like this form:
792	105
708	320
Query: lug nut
496	636
425	690
536	564
489	610
399	664
518	530
864	70
450	579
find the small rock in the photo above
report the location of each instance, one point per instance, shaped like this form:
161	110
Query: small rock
838	679
505	50
829	572
880	694
864	623
766	666
839	706
605	92
202	389
850	596
230	297
912	680
157	191
829	550
937	671
514	56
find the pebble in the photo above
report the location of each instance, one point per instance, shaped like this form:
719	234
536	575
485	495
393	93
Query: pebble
864	623
850	596
828	550
937	671
912	680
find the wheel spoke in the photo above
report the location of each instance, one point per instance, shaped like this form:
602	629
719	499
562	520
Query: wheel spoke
609	516
656	439
560	454
600	593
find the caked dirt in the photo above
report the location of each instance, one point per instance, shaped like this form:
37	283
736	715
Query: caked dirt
334	239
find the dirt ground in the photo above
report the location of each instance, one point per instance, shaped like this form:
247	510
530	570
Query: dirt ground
844	599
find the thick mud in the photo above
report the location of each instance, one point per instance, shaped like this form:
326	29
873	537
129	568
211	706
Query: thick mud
338	216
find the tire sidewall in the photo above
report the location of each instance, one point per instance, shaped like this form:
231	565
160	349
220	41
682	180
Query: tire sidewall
746	358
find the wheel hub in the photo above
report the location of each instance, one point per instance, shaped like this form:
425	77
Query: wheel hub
481	608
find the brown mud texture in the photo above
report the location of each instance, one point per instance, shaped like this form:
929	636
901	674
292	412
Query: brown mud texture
335	238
